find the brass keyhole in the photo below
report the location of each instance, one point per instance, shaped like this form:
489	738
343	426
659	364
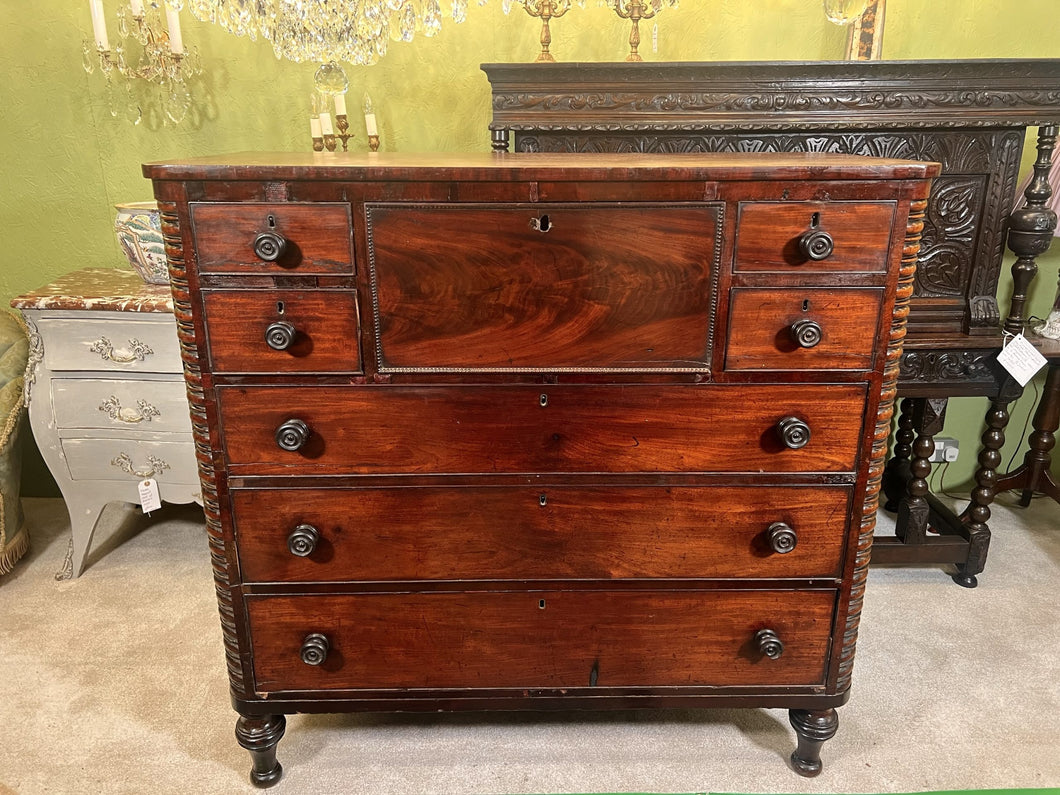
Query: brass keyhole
542	224
280	308
543	400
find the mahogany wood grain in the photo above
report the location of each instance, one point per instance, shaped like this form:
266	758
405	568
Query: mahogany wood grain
319	237
767	235
760	323
326	337
494	430
543	286
537	639
549	532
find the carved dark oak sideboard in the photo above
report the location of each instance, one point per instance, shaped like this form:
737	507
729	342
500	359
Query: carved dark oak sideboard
540	431
970	116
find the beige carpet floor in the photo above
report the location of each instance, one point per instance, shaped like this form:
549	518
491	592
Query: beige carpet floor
114	683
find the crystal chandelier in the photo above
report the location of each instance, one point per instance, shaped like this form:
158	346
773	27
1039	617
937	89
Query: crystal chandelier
329	31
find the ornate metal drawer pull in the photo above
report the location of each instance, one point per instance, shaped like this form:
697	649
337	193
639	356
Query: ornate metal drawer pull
123	461
143	411
136	352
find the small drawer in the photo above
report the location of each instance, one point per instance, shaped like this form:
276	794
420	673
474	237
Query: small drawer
131	459
813	236
549	532
254	331
150	406
272	238
490	639
802	328
111	344
553	429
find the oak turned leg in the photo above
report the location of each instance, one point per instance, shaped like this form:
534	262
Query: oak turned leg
259	735
894	477
813	728
929	417
977	514
1034	474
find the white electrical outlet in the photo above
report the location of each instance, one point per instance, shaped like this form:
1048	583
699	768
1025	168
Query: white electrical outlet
946	450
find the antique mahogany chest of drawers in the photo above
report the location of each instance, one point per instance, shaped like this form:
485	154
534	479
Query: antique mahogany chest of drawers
540	431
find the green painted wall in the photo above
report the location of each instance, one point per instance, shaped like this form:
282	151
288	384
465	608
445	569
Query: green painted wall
64	161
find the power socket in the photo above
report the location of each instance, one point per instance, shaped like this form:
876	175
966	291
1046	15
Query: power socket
946	450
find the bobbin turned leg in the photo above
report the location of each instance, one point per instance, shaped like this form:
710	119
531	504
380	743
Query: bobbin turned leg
259	735
813	728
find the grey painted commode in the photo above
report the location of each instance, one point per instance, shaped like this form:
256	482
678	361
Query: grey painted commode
106	394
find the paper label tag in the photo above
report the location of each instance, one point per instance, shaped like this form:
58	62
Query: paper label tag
149	499
1021	359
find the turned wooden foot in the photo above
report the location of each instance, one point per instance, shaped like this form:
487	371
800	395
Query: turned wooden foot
259	735
813	729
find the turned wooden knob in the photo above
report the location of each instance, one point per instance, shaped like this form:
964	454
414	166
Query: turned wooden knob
782	537
302	541
805	333
793	432
270	246
292	435
768	643
315	649
816	244
279	335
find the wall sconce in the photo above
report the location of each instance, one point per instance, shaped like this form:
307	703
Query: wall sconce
161	59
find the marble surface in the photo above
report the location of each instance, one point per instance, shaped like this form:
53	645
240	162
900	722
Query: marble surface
99	289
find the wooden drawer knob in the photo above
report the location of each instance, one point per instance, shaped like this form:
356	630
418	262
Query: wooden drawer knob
315	649
769	644
292	435
816	244
805	333
279	335
270	246
302	541
782	538
793	432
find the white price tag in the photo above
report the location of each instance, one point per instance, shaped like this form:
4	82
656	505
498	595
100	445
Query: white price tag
149	499
1021	359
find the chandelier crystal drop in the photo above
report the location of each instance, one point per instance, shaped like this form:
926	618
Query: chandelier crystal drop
328	31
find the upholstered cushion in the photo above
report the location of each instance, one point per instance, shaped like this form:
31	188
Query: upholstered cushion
14	348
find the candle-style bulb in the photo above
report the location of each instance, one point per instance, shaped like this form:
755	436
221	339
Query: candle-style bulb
368	108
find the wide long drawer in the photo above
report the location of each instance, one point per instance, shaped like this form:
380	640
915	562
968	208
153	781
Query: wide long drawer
539	639
515	429
550	532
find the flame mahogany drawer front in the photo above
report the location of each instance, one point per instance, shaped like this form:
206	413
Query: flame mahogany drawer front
548	286
307	238
540	432
802	328
516	532
267	331
489	639
513	429
813	236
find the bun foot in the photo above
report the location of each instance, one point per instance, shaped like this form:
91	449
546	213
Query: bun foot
965	580
813	728
259	735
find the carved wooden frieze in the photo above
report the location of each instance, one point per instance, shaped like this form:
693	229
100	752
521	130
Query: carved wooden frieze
940	366
774	96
